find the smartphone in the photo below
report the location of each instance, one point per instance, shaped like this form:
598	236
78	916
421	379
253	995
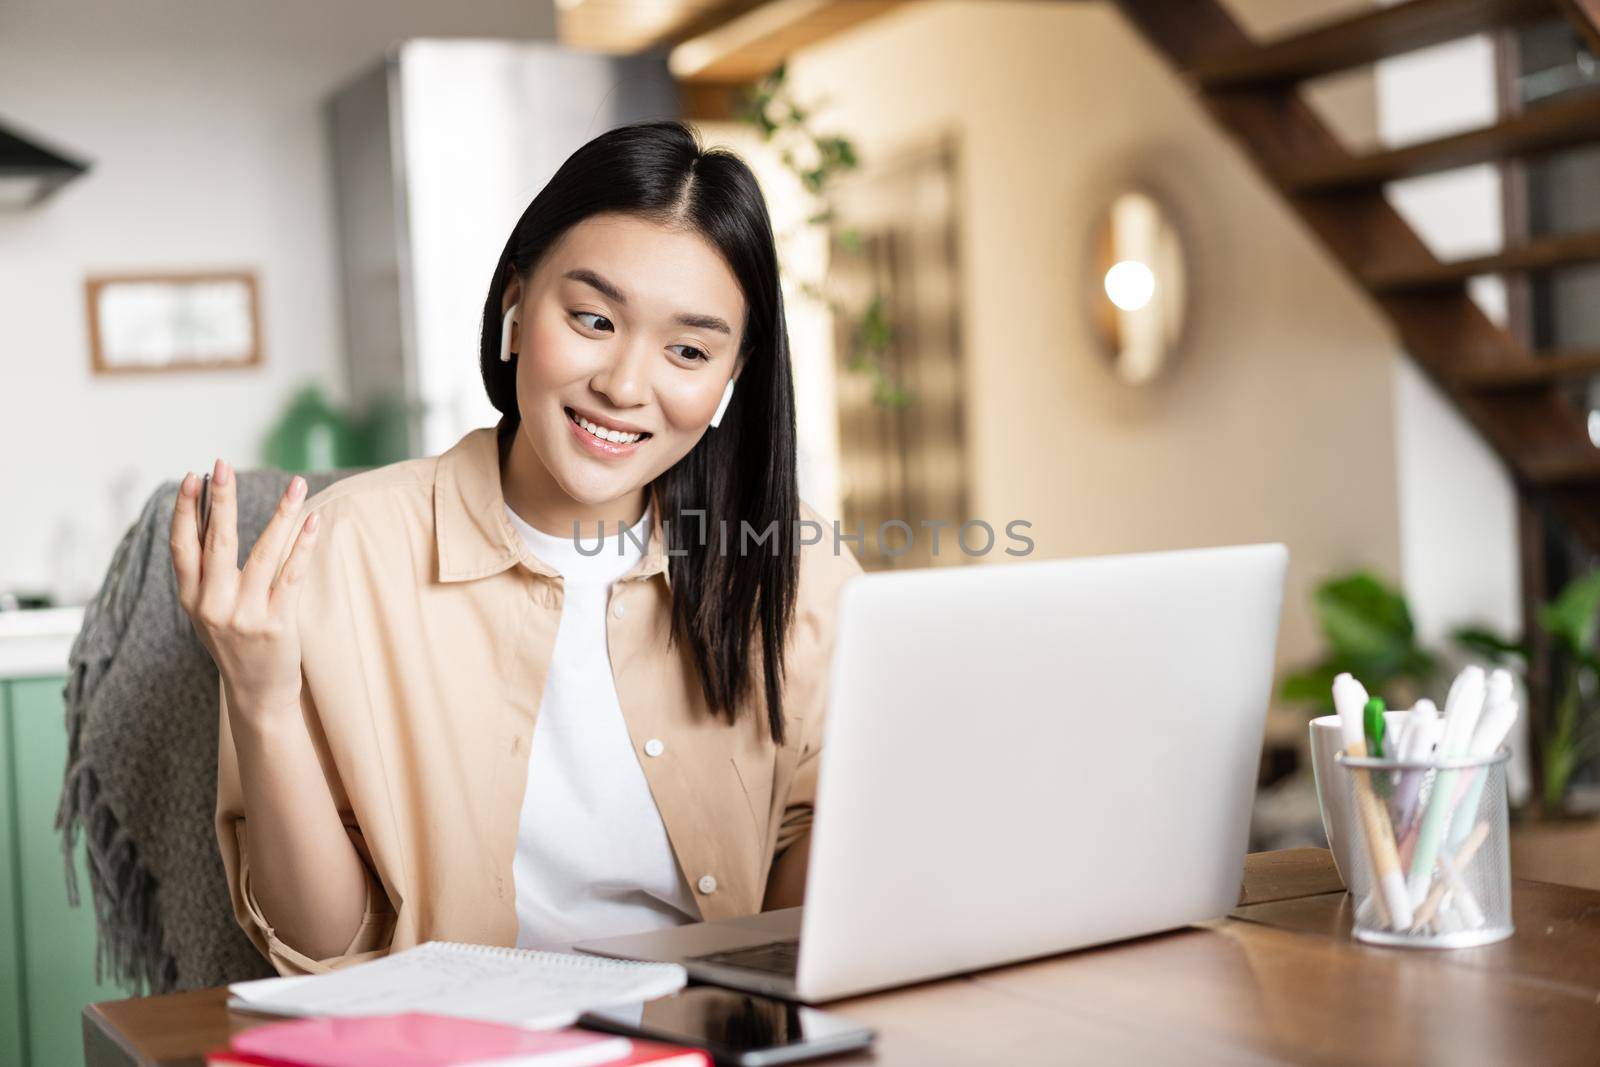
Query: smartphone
737	1029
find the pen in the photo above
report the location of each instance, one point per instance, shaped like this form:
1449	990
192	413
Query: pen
1461	711
1351	700
1373	721
1463	856
1500	713
1398	737
1460	899
1415	745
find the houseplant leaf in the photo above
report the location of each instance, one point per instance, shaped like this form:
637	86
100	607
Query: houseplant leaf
1481	641
1314	685
1363	617
1370	634
1570	618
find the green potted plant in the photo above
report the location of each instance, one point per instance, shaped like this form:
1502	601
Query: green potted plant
1571	736
313	434
1369	633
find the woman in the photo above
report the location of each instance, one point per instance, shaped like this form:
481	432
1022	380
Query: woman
444	715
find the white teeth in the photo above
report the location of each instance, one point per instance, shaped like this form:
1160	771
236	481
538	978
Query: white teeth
616	437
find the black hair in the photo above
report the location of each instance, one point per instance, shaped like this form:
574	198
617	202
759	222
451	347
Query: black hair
723	602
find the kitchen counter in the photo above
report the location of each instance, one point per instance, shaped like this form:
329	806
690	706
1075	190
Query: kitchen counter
35	643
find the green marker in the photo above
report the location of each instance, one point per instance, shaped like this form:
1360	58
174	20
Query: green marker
1374	721
1373	726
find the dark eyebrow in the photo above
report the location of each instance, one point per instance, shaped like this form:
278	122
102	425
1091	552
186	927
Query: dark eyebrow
705	322
589	277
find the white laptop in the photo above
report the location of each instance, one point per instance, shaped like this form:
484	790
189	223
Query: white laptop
1018	760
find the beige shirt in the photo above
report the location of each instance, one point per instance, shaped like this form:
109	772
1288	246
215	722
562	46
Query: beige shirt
426	629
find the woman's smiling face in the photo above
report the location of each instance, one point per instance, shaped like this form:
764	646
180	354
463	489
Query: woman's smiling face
631	328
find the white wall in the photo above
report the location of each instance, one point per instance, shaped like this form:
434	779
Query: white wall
1278	421
203	121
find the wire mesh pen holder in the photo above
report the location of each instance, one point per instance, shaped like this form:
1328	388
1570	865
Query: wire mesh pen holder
1431	866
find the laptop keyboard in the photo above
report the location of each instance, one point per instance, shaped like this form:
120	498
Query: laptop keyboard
779	957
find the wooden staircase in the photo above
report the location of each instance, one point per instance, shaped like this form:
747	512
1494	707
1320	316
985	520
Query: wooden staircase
1512	395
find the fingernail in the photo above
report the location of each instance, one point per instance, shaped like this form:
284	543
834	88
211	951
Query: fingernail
311	522
187	486
297	486
219	472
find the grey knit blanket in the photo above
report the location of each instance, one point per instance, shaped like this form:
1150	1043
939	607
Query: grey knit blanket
141	775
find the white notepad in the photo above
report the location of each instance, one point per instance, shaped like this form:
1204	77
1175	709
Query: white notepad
520	987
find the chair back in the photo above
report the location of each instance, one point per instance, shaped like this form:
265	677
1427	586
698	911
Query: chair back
141	776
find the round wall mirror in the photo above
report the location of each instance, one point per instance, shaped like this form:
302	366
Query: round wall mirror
1137	287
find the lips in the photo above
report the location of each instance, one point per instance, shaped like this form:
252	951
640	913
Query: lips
602	432
600	445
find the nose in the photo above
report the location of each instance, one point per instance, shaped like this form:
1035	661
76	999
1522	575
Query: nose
624	379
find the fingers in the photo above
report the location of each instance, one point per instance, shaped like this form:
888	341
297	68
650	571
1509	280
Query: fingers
286	590
185	543
219	559
262	566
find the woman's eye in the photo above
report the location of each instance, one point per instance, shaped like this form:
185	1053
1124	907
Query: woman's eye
584	316
691	352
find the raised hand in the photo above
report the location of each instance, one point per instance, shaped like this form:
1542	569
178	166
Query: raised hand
246	619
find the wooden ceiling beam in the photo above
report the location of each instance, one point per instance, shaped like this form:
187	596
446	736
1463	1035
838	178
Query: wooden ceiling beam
627	27
710	101
717	46
755	42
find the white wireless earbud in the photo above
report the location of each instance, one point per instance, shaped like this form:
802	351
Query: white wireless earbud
722	405
505	334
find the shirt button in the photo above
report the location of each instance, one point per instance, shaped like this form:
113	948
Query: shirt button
708	884
616	609
654	747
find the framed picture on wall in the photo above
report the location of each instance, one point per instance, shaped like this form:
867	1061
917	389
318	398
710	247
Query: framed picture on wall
139	323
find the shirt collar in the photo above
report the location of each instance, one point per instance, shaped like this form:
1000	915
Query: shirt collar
474	534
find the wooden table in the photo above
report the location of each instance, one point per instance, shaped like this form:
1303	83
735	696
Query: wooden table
1278	981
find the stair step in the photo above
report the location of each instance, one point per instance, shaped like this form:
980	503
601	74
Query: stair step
1365	38
1581	468
1585	15
1543	254
1559	124
1534	373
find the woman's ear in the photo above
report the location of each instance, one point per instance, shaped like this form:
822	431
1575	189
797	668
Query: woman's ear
513	292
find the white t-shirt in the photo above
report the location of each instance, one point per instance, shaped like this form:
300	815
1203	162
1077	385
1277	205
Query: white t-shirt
592	853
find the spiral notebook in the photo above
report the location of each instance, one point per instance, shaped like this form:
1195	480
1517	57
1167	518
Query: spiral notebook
520	987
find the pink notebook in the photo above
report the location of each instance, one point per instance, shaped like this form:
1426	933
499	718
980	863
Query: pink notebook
416	1040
